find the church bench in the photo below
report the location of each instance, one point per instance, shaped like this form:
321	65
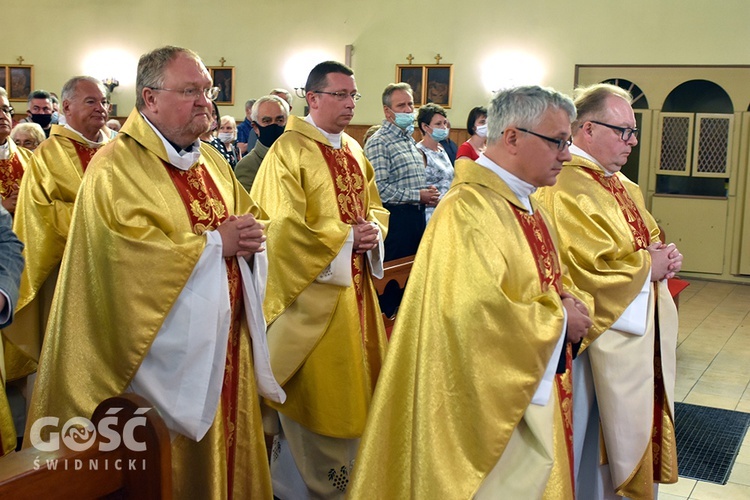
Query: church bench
93	471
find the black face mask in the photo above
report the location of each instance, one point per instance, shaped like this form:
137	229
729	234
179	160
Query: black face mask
42	119
269	134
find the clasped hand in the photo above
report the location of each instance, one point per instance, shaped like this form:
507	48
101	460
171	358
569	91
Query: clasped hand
365	235
241	236
666	260
429	196
579	321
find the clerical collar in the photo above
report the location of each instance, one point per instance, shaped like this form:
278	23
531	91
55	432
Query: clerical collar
5	149
520	188
575	150
92	144
334	139
183	159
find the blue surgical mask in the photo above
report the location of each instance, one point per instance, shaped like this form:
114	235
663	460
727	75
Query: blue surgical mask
404	120
439	134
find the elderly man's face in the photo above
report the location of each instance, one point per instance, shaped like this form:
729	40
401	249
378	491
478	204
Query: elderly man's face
271	113
6	120
181	119
86	111
606	144
541	159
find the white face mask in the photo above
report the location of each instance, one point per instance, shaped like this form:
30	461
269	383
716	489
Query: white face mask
481	130
226	136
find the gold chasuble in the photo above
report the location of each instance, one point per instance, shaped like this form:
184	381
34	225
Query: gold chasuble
478	325
42	220
326	341
109	306
634	375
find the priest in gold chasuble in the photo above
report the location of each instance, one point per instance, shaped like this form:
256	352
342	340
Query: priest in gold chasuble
624	376
325	332
45	205
468	404
161	289
14	159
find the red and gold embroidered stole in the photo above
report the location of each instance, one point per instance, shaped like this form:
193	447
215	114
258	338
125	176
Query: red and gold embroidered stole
641	239
11	172
206	210
612	184
84	153
349	186
550	276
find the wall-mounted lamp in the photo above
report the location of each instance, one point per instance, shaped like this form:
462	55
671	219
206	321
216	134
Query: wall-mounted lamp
299	92
110	83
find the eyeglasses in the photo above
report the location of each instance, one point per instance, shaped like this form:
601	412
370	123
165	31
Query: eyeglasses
26	143
7	110
341	95
192	93
625	132
94	102
561	144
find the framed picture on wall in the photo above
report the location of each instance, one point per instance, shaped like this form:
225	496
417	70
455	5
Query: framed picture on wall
439	83
223	77
414	76
20	81
4	77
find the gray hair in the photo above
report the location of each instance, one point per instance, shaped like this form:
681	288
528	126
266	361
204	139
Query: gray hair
287	95
151	68
33	129
591	101
3	93
523	107
268	98
70	87
391	88
249	104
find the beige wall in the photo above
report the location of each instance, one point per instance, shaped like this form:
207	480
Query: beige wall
258	38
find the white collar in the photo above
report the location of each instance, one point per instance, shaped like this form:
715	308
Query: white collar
575	150
522	189
334	139
182	159
92	144
5	149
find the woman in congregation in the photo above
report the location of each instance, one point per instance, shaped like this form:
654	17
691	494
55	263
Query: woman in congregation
27	135
226	141
476	125
433	124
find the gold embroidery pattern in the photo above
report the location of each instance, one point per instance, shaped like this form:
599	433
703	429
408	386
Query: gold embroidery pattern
11	172
349	186
205	206
641	235
540	241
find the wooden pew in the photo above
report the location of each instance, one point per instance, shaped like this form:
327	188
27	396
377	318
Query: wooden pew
92	473
396	271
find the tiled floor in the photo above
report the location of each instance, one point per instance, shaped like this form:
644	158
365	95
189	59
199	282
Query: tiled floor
713	369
